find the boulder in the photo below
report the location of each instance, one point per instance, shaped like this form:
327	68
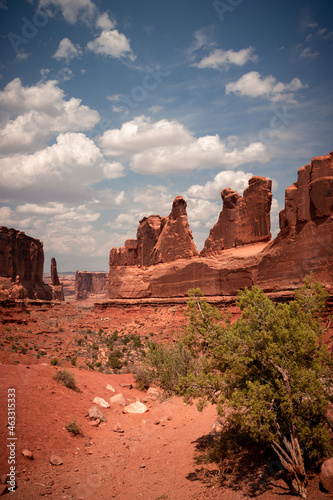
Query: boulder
96	414
326	475
136	407
101	402
118	399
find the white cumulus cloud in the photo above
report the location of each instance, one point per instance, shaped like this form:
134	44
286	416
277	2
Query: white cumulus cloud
67	51
212	189
72	10
220	58
252	84
33	115
57	168
166	147
111	43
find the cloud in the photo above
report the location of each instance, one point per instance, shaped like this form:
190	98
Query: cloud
72	10
33	115
220	58
308	53
252	84
104	22
166	147
67	51
141	133
71	165
112	43
3	4
212	189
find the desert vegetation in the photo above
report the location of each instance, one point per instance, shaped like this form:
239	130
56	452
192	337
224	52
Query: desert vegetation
268	373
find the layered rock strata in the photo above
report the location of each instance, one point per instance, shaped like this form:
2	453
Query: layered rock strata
90	284
243	219
21	263
303	245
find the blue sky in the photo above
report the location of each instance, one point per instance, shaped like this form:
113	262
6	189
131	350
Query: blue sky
110	109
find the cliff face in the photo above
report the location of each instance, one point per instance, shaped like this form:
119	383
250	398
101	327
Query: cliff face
88	284
305	241
243	219
303	245
23	257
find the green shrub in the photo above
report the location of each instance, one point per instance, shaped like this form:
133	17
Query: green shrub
167	364
54	361
268	373
73	361
74	427
114	360
66	378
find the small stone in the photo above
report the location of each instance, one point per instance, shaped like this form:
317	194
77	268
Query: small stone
27	454
157	422
95	423
110	388
128	386
95	413
55	460
136	407
118	428
101	402
118	399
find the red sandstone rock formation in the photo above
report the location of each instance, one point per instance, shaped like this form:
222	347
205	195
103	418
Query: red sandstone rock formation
159	239
305	241
23	256
304	245
148	234
124	256
244	219
57	288
90	284
176	240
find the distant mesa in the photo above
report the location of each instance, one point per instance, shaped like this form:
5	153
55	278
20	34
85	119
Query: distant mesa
90	285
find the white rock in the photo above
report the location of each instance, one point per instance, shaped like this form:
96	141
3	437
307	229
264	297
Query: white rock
118	399
101	402
135	408
153	393
110	388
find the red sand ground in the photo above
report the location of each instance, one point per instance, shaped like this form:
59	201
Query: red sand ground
155	456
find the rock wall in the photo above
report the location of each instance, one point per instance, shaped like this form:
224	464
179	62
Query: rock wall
22	261
303	245
305	241
243	219
89	284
